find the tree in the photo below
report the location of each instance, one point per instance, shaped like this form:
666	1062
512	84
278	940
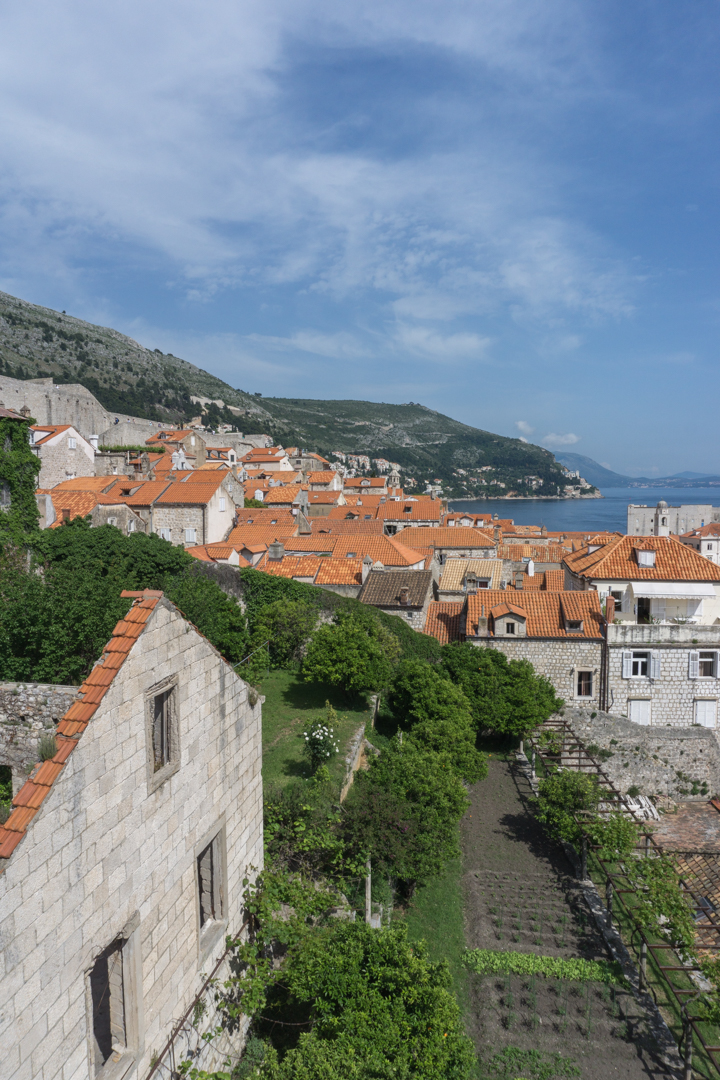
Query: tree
19	469
378	1006
560	797
345	654
403	811
287	625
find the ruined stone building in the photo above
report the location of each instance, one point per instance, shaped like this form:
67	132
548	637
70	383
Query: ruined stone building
122	861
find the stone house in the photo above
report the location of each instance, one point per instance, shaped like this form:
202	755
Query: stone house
267	459
292	497
122	862
64	454
342	576
398	593
650	579
461	577
320	503
328	480
705	540
560	633
408	513
192	511
371	485
306	462
59	505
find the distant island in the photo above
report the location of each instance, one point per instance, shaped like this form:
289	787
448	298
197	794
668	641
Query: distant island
601	477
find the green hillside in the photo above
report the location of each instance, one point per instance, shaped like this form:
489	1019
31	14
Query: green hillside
37	342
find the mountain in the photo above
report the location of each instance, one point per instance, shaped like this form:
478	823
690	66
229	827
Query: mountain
37	342
689	476
592	471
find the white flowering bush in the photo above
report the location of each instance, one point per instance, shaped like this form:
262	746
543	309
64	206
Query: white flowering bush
321	739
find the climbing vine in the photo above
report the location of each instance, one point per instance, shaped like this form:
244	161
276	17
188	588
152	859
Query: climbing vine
19	469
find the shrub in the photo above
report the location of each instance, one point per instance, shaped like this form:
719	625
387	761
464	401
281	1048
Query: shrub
347	654
560	796
287	625
321	739
47	747
489	962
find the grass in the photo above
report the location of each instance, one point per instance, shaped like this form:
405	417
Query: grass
290	705
435	915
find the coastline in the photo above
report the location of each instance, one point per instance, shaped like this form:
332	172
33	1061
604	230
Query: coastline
525	498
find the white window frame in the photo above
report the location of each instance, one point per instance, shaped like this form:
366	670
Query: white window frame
695	658
646	559
72	443
223	504
165	534
700	709
191	536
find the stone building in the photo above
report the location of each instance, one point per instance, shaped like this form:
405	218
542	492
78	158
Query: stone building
187	440
27	712
122	862
397	592
664	520
63	454
48	403
401	514
188	509
460	577
561	634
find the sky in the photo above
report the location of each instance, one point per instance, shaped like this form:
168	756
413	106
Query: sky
506	210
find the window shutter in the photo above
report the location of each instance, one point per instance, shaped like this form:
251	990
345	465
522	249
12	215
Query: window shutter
694	665
206	884
627	664
655	665
117	1001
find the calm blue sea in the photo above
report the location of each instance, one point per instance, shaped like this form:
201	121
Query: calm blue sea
609	513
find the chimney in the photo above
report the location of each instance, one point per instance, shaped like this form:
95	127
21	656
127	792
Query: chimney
482	623
404	595
496	535
519	581
610	609
94	442
531	569
303	525
276	551
66	514
366	568
543	531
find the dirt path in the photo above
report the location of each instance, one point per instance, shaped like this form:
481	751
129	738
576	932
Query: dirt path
520	895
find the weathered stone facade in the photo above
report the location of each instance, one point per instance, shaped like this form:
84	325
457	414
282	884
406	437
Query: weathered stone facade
63	457
683	763
559	660
27	711
113	856
669	688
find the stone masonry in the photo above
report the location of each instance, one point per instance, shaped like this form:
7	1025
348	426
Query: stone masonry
683	763
112	855
558	660
27	711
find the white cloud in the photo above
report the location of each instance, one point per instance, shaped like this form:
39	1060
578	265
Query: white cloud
522	425
521	439
553	440
421	341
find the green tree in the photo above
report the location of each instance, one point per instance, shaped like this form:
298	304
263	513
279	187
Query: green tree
347	655
561	796
402	813
287	625
19	469
379	1008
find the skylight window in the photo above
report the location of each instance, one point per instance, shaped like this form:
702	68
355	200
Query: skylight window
646	559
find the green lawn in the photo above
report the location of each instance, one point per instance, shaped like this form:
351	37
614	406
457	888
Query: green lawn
290	705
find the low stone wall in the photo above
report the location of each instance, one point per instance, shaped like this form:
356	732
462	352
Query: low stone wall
27	711
683	763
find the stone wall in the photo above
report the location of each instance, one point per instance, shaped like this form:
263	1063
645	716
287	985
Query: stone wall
112	854
672	695
558	660
27	711
51	404
59	461
683	763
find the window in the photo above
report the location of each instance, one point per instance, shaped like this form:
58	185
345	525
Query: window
646	558
636	665
112	521
574	626
162	733
509	627
131	526
639	711
707	665
164	534
222	503
161	729
190	536
705	713
211	884
584	683
72	443
618	596
108	1006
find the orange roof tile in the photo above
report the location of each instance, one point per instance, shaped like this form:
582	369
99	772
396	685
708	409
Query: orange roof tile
72	504
334	571
543	611
43	432
443	620
333	526
283	495
447	537
674	561
547	553
89	483
321	477
323	497
259	534
291	566
188	493
407	510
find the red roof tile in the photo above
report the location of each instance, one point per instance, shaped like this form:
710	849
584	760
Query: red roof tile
443	620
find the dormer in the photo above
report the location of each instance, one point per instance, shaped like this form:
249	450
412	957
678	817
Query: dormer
645	558
509	621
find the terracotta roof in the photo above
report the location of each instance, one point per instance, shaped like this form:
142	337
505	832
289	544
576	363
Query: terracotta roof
217	552
547	553
10	414
444	620
352	512
270	516
283	495
146	495
713	529
333	526
77	503
544	611
89	483
31	795
545	580
405	510
455	570
447	537
169	435
50	432
365	482
259	534
291	566
188	492
383	588
339	572
321	497
506	608
674	561
385	549
321	477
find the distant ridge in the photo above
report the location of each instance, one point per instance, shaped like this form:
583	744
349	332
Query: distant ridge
601	477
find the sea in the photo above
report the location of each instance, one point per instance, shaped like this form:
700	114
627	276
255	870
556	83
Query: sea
606	514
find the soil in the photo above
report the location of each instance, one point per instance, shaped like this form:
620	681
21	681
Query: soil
520	895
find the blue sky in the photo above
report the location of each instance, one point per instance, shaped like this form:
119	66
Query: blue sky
505	210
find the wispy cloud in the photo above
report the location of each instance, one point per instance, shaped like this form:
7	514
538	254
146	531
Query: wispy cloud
552	440
524	427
